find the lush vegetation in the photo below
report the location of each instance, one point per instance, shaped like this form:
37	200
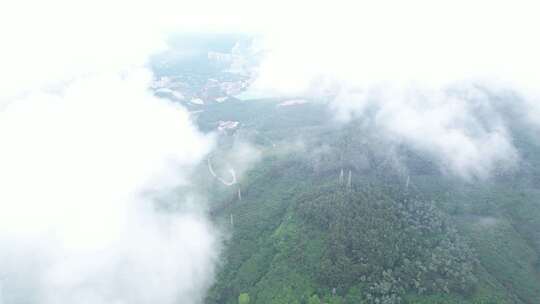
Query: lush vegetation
398	232
337	213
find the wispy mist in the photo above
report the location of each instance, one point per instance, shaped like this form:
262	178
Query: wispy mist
418	71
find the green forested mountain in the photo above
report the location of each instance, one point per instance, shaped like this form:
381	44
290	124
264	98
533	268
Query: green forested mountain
334	213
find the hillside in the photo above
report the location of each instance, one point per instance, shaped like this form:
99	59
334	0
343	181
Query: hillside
335	213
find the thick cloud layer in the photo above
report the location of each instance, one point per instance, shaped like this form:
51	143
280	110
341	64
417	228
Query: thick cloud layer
86	150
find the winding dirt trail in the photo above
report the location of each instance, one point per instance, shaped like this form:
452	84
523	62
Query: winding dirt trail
226	183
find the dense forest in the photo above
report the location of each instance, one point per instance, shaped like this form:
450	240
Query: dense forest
317	210
335	213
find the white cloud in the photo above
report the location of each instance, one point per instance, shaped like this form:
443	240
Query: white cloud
403	60
77	171
421	42
85	148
